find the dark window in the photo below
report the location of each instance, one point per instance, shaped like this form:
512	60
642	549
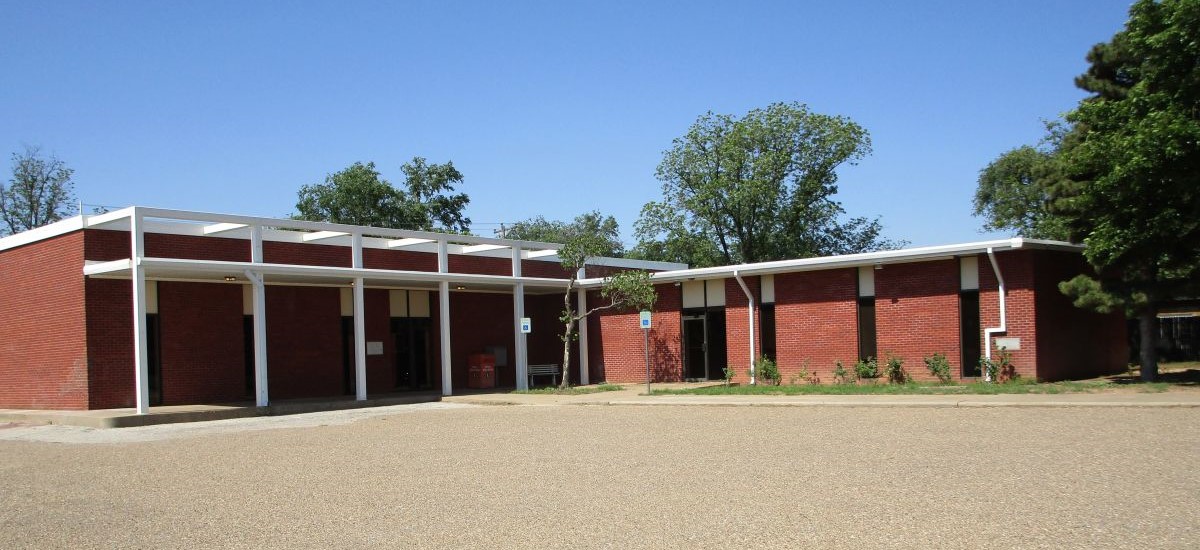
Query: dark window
768	330
348	374
968	305
248	352
866	328
154	358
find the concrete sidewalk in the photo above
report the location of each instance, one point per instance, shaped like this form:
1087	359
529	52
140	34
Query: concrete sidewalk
174	414
636	395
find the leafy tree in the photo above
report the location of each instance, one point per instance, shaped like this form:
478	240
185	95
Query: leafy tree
1013	193
623	289
757	188
40	191
553	231
359	196
1132	162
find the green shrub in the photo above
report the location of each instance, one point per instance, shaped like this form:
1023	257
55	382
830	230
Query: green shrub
867	369
840	376
729	372
895	370
767	370
939	366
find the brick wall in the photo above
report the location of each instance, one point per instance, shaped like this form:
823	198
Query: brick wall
1018	271
816	319
109	307
1075	343
43	349
917	314
621	345
105	244
304	342
203	344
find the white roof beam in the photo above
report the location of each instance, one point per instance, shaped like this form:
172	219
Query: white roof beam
319	235
482	248
540	253
399	243
222	227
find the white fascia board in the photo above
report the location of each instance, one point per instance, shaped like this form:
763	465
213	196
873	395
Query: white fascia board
849	260
636	264
61	227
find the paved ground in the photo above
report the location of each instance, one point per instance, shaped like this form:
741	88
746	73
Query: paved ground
466	476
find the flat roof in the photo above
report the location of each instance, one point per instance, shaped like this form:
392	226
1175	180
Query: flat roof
904	255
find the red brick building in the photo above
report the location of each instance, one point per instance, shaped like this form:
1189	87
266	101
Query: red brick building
142	307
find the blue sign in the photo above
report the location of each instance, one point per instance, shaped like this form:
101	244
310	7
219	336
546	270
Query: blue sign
644	318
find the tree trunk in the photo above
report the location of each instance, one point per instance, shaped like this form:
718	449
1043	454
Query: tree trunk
1148	327
566	372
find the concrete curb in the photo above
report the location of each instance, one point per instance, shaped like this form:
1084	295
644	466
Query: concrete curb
915	404
124	418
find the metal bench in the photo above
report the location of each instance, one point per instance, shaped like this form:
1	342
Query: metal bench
544	370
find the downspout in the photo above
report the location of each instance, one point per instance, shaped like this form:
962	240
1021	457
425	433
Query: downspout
750	309
988	332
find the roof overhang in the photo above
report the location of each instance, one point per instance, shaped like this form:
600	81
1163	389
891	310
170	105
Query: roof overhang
218	271
908	255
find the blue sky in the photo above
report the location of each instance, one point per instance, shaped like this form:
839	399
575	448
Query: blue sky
548	108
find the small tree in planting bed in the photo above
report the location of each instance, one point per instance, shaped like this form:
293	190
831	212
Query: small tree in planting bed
625	289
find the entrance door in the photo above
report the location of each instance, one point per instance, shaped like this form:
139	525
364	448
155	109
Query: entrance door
694	361
411	337
715	344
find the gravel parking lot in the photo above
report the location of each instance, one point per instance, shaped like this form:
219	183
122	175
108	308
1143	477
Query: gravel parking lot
458	476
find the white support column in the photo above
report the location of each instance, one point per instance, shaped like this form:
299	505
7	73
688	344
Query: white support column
360	325
583	343
360	342
520	358
444	317
141	354
259	319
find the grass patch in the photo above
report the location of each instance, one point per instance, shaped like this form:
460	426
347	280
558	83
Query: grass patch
572	390
912	388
